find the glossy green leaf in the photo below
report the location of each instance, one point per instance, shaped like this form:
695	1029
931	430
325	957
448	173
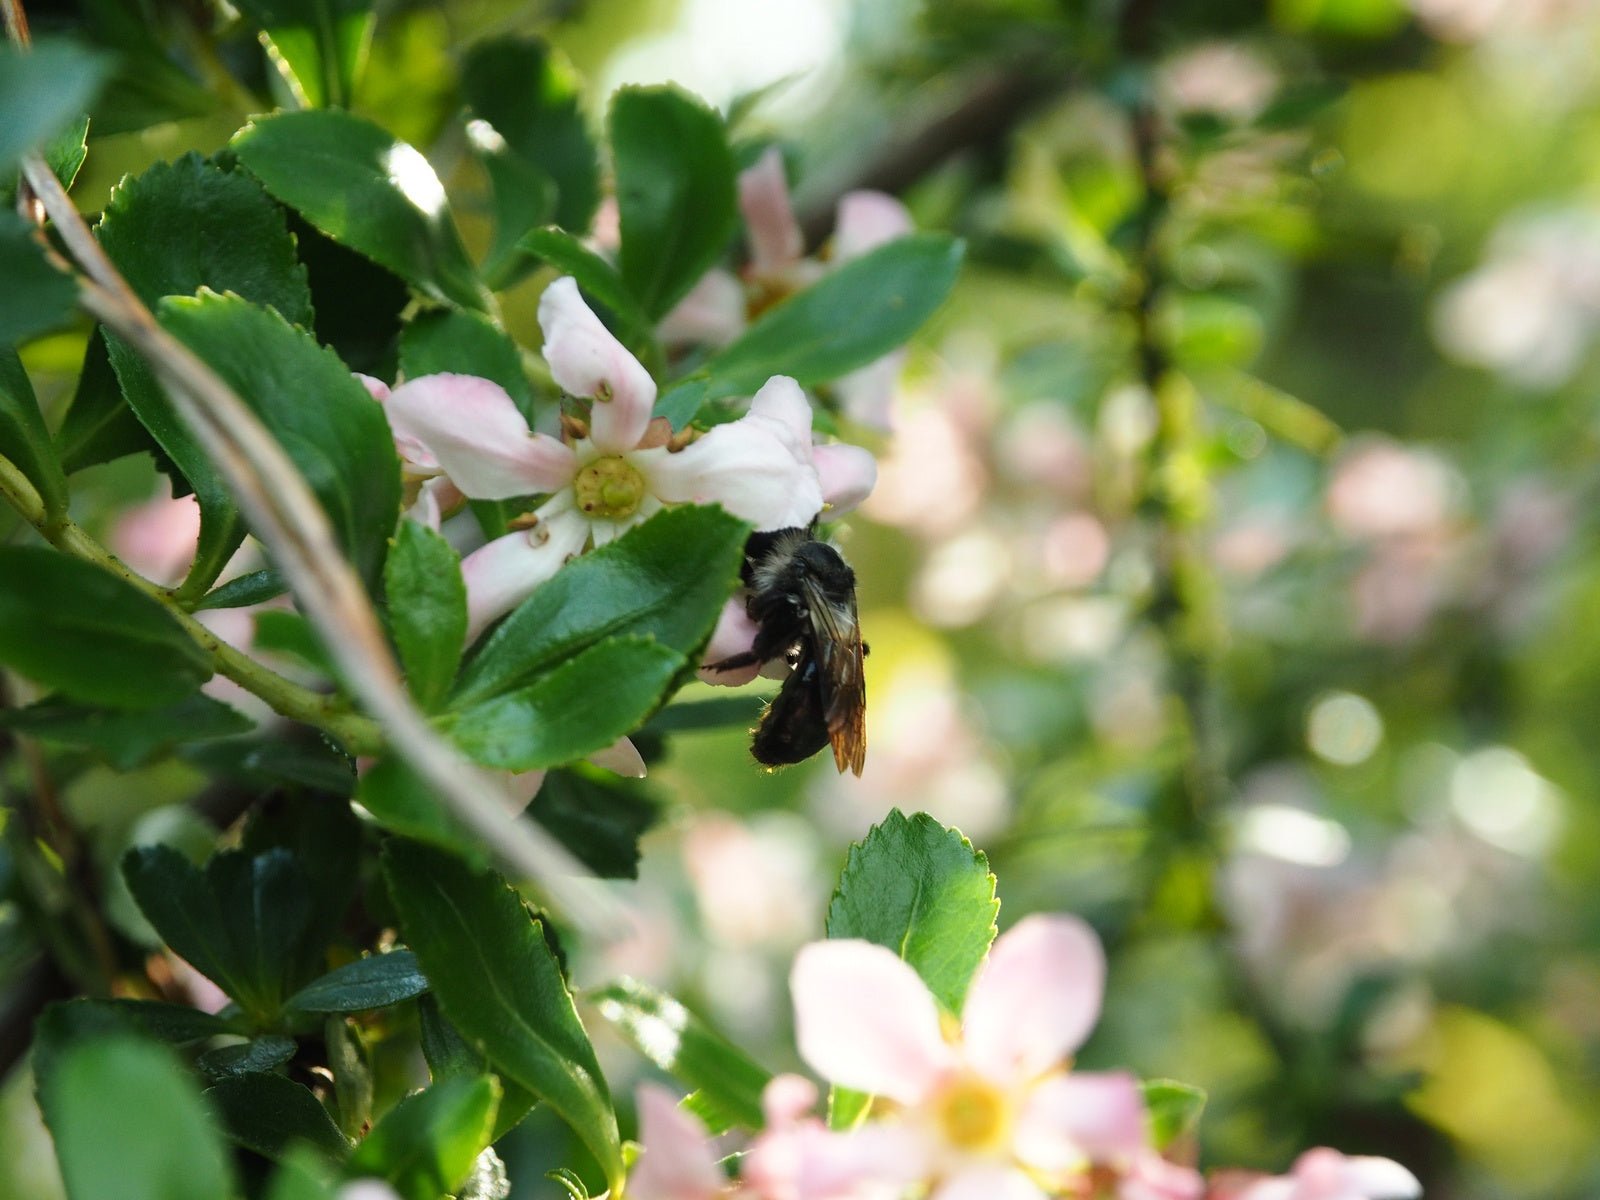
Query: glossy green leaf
401	801
451	1056
274	761
729	1082
272	1115
98	425
666	579
171	231
496	979
581	706
376	981
302	1174
597	816
70	1021
246	1058
1174	1110
467	344
23	436
597	279
82	630
359	304
524	198
856	313
36	297
426	1145
341	442
675	191
127	738
43	91
533	100
128	1122
923	891
242	591
367	191
318	46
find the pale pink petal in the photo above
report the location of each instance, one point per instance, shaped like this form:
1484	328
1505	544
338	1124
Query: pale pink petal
712	314
586	360
503	573
158	538
477	437
620	758
735	634
787	1098
1151	1177
867	393
1380	1178
781	408
988	1183
806	1161
675	1160
775	238
865	1020
526	783
847	475
1072	1118
1036	999
376	388
742	466
865	221
1272	1189
436	498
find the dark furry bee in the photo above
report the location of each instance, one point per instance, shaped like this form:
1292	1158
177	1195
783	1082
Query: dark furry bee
803	601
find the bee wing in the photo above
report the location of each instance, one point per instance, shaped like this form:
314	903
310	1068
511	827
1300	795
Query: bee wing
836	630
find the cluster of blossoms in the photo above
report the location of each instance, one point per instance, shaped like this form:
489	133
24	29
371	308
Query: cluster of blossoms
986	1108
462	437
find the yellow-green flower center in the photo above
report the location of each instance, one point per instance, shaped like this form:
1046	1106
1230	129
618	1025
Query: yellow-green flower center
973	1114
610	488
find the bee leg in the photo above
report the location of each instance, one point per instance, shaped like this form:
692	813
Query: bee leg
732	663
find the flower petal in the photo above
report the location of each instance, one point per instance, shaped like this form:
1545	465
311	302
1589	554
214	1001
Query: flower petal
865	221
502	574
675	1162
1072	1118
847	475
620	758
776	242
473	432
864	1019
781	408
1380	1178
735	634
988	1183
1036	998
376	388
1151	1177
867	393
712	314
786	1099
805	1161
586	360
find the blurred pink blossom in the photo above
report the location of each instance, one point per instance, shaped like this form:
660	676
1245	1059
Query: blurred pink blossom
1324	1174
158	538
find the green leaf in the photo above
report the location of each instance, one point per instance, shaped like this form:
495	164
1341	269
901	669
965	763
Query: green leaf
23	436
667	578
729	1082
318	46
427	611
128	1122
373	982
923	891
351	1068
341	442
450	1056
534	100
358	303
675	191
852	316
426	1145
127	739
70	1021
1174	1110
598	817
401	801
273	761
598	280
699	715
246	1058
290	635
75	627
244	590
36	296
523	197
271	1115
98	425
171	231
468	344
581	706
301	1175
43	91
682	401
497	981
365	190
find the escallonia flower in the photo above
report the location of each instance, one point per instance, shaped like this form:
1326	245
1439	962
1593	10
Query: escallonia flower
1325	1174
718	307
988	1111
619	470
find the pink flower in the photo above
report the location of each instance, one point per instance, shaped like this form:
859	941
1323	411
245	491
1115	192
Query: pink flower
675	1161
717	309
1324	1174
797	1157
995	1112
761	467
429	492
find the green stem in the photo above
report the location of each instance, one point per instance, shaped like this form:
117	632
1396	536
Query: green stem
358	734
